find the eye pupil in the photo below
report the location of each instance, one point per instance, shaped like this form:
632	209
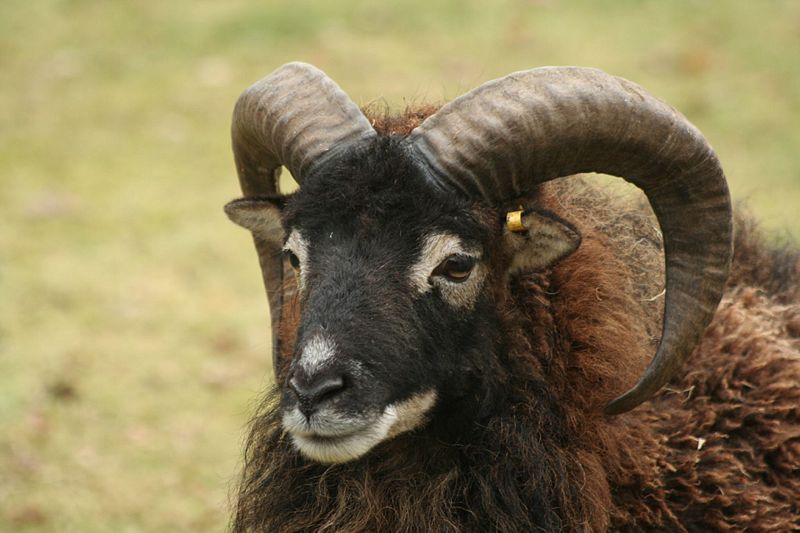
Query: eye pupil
456	268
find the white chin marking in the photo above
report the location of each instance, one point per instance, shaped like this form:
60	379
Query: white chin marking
348	447
342	446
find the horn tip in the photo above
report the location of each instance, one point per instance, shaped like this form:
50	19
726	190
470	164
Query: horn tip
647	386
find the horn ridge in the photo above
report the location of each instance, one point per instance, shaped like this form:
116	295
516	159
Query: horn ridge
537	125
291	118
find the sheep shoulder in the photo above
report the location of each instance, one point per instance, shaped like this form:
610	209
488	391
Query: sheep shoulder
719	447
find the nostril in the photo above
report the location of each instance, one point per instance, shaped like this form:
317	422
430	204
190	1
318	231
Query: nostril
327	388
313	390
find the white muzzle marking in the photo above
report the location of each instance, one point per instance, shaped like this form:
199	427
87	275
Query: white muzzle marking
317	353
329	437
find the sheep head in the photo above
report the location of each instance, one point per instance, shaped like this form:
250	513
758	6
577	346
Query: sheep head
401	248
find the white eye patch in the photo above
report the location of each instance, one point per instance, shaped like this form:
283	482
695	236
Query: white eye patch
436	248
298	245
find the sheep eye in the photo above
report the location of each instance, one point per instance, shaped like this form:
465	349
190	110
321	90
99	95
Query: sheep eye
455	268
293	259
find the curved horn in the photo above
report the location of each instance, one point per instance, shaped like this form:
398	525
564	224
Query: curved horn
502	139
294	118
291	118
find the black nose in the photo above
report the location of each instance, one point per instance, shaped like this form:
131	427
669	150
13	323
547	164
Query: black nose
313	389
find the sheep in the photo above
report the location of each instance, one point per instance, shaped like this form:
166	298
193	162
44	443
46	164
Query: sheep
453	328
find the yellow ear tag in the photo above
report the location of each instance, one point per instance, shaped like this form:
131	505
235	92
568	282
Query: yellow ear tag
514	221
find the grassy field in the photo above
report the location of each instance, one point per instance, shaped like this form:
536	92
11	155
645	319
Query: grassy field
133	328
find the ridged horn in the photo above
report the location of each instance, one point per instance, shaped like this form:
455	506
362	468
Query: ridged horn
502	139
294	118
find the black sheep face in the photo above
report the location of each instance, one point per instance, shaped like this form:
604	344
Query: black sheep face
397	283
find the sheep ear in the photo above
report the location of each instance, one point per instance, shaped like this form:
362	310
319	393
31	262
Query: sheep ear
538	239
262	216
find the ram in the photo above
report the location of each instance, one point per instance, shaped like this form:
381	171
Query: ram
454	330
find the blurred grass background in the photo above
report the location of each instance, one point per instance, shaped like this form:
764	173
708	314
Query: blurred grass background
133	328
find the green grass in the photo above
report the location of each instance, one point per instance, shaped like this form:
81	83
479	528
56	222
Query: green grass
133	328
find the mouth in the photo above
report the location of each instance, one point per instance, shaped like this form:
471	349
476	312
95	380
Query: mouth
331	437
345	446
